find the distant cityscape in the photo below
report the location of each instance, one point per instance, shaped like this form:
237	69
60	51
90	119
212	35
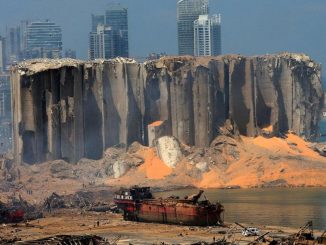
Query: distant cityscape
199	33
109	35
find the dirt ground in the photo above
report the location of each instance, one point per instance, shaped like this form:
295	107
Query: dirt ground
112	226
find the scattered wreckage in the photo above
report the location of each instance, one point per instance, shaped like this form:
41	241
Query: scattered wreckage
138	204
305	236
17	211
249	231
69	240
10	214
322	238
80	200
64	240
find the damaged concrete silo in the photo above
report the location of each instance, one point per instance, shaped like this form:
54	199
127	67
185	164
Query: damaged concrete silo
69	109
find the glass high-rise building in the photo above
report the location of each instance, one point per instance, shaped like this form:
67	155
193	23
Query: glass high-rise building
117	18
187	12
109	37
101	43
16	40
3	58
23	34
5	114
207	35
97	20
43	40
5	101
14	44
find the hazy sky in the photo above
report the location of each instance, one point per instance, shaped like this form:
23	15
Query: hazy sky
248	26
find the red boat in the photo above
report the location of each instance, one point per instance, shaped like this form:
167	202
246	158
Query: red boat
138	204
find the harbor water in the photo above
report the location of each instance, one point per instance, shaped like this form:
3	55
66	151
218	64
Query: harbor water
322	126
290	207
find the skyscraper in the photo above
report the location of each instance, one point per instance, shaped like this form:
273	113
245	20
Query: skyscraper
97	20
117	18
187	12
5	114
13	44
23	34
16	42
43	40
5	103
101	43
109	36
207	35
2	54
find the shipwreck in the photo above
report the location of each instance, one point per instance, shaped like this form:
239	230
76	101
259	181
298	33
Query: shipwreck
138	204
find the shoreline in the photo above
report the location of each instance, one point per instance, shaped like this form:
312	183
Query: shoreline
77	222
241	205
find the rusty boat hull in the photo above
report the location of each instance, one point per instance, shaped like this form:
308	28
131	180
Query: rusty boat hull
178	214
171	211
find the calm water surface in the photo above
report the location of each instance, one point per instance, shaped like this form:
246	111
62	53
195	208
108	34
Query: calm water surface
322	126
279	206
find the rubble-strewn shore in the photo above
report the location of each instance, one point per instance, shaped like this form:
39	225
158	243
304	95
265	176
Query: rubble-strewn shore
112	227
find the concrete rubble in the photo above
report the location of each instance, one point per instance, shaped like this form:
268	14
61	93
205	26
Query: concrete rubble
169	150
68	239
80	200
320	148
71	109
18	210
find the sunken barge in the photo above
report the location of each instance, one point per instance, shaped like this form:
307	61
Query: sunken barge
138	204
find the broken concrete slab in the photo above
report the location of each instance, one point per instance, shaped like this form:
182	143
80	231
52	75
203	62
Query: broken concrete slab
169	150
